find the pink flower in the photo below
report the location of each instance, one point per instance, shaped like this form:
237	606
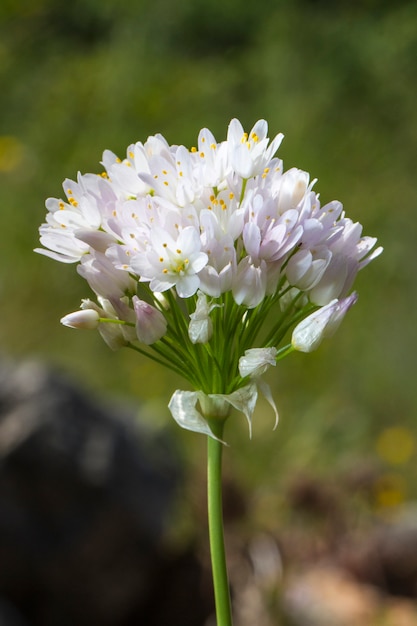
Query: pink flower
150	323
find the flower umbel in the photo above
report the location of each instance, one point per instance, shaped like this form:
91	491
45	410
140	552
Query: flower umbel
192	254
205	260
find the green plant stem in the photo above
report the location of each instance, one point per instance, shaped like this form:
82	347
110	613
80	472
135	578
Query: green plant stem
215	520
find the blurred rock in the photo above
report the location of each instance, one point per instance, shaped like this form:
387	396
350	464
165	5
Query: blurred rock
328	597
387	556
84	498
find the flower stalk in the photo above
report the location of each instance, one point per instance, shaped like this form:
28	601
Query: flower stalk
216	527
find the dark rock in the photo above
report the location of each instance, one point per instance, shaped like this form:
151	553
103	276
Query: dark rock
84	497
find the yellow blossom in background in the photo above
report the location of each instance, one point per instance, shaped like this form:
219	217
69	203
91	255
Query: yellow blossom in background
391	491
396	445
11	153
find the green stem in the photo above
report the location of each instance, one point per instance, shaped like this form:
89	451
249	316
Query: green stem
215	520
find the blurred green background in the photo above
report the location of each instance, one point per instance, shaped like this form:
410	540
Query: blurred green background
339	79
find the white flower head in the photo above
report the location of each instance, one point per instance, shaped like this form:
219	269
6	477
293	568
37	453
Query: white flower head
249	153
308	334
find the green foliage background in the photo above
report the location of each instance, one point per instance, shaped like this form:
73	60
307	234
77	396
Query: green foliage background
338	78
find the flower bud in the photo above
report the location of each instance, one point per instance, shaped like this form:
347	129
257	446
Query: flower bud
200	328
151	325
308	334
88	319
256	361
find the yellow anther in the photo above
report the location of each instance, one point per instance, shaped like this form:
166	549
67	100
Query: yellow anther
161	259
131	235
255	137
166	183
165	271
104	175
63	226
155	176
114	213
266	170
69	192
244	138
62	206
193	149
178	251
212	198
203	139
164	172
164	245
202	155
125	267
213	146
131	154
231	195
180	174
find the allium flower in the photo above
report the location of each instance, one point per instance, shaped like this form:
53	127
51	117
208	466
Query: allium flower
206	258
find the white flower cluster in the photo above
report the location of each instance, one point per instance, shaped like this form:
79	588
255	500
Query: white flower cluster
186	247
220	217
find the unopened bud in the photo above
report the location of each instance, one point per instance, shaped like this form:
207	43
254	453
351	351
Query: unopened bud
88	318
308	334
151	325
